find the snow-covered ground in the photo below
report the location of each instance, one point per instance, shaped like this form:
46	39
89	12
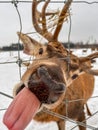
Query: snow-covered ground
9	76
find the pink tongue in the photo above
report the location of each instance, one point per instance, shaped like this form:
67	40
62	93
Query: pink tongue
21	111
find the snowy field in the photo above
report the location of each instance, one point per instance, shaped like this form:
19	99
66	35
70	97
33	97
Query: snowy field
9	76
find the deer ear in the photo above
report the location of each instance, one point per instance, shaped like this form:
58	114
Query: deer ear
31	46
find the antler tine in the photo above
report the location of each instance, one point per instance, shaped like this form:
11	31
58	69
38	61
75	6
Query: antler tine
89	57
43	16
63	15
46	34
94	55
87	67
43	31
35	18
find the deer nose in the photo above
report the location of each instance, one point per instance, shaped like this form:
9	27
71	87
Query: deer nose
60	88
57	87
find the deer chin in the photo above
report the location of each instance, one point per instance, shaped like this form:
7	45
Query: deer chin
49	91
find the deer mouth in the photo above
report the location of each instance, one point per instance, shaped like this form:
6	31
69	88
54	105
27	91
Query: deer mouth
38	87
44	85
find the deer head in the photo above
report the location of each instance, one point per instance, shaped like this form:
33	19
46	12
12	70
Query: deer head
54	67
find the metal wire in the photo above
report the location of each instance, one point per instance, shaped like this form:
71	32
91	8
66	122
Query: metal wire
66	101
86	120
4	109
63	1
20	61
61	116
77	100
6	95
15	2
69	34
68	119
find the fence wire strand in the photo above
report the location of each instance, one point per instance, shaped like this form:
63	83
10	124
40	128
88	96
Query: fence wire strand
15	2
68	119
61	116
53	1
20	61
86	120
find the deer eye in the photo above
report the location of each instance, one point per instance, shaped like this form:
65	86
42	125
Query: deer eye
41	51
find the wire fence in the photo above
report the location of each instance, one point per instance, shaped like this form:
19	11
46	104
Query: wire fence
53	1
19	61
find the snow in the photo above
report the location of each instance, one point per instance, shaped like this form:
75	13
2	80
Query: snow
9	76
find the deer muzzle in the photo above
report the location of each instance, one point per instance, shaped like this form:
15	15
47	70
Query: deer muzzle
44	85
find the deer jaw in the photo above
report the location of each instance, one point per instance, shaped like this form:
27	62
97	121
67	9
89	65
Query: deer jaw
46	76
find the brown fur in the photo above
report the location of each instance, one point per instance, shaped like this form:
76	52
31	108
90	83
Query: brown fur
62	67
81	88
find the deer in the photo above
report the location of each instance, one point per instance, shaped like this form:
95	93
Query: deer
55	71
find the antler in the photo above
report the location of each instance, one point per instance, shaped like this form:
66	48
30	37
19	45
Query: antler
87	68
35	19
89	57
43	30
85	65
63	15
